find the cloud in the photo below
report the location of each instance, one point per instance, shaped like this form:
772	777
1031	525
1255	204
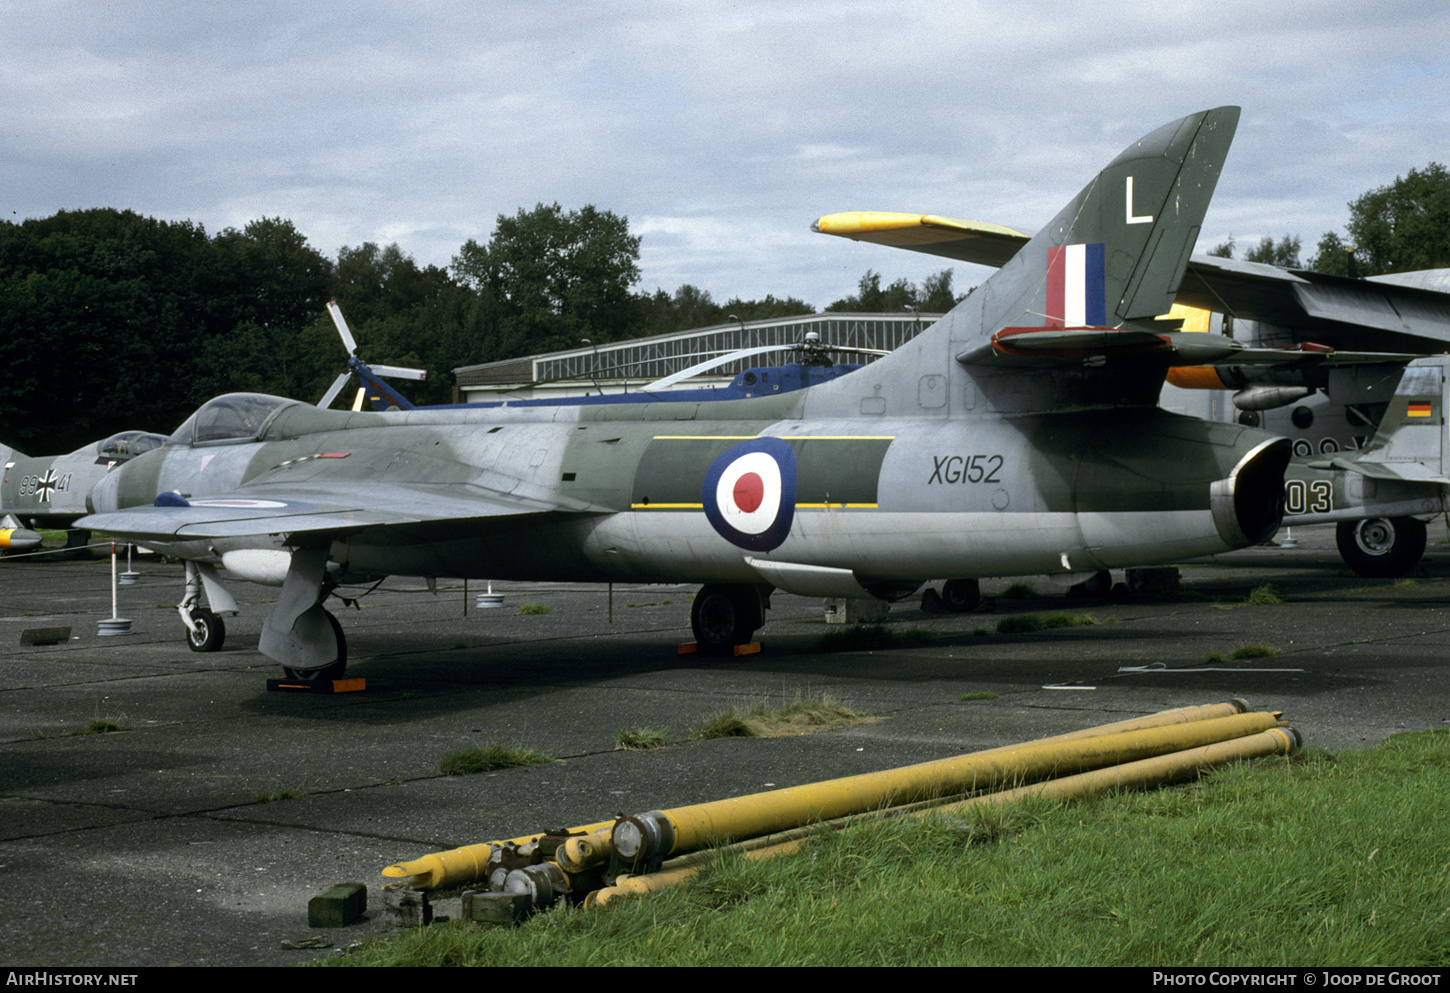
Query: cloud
721	129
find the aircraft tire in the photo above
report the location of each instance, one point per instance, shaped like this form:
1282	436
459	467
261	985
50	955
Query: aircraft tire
724	615
1381	547
334	669
209	632
1098	586
961	596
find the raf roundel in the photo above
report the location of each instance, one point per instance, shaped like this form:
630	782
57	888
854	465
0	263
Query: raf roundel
749	493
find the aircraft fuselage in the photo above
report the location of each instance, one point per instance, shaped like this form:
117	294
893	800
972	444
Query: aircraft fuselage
853	502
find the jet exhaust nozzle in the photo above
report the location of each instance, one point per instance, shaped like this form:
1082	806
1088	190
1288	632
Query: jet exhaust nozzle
1248	505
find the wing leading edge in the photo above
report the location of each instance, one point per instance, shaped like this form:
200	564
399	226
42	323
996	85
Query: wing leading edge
323	510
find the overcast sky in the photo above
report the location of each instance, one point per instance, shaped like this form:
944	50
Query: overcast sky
720	129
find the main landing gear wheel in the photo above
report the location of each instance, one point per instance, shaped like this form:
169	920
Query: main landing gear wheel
207	631
961	596
725	615
1381	547
334	669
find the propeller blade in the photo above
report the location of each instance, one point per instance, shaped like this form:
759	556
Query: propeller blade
337	318
399	372
334	390
719	360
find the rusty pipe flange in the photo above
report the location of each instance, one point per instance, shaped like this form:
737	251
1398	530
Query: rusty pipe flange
543	884
643	839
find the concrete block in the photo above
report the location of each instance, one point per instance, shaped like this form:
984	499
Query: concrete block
339	906
496	908
850	610
44	636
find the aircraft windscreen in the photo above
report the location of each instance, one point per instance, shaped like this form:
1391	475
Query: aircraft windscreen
129	444
234	417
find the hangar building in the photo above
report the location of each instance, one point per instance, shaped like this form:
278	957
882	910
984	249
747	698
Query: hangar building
626	365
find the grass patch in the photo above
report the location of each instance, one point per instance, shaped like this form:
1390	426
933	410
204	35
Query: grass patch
1334	882
868	637
1262	596
535	608
1256	652
99	726
639	739
489	758
1028	623
1398	584
803	715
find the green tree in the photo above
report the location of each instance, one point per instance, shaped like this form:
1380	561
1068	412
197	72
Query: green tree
101	310
548	278
1401	227
268	289
1283	253
935	297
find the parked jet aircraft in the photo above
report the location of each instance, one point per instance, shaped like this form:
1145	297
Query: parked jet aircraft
1378	511
51	491
1019	434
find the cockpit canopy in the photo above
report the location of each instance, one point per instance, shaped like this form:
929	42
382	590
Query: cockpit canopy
233	418
128	444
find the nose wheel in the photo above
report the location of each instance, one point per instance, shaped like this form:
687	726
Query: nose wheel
206	631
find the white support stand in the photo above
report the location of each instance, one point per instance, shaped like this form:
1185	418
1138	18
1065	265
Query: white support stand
115	625
489	599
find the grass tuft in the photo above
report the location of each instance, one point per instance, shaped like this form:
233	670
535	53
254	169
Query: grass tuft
99	726
802	716
1263	596
639	739
1028	623
489	758
535	608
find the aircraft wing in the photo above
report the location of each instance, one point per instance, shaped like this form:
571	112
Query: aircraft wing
1393	312
950	237
408	509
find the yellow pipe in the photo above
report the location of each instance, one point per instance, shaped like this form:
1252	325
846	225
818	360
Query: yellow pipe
578	854
657	835
1163	718
1130	775
467	864
678	871
1153	771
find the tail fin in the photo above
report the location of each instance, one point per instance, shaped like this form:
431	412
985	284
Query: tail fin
1115	254
1118	251
1410	440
